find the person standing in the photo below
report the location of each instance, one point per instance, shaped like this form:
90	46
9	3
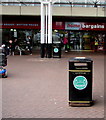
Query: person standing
11	47
96	44
65	42
15	42
29	43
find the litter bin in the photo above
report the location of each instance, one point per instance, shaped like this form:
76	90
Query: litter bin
80	81
56	49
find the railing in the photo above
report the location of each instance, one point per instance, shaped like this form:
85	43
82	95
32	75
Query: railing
103	4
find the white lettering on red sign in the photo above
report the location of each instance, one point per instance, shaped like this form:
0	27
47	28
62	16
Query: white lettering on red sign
93	26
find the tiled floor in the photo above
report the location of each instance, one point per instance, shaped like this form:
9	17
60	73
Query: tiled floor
38	88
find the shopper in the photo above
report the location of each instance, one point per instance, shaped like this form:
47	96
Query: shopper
65	41
92	41
15	42
29	43
11	47
96	44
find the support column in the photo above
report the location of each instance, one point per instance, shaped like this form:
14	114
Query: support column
85	3
49	30
46	28
42	30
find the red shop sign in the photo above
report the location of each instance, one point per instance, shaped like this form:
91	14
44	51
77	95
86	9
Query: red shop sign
93	26
20	25
59	25
29	25
84	26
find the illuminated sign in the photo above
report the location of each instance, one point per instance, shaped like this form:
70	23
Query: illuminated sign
84	26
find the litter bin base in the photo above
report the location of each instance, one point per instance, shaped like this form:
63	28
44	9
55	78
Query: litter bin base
57	56
80	103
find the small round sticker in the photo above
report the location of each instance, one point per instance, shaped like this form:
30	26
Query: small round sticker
80	82
56	50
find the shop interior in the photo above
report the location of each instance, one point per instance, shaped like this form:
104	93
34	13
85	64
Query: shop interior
77	40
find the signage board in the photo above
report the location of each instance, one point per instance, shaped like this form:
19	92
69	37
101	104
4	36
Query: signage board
84	26
57	25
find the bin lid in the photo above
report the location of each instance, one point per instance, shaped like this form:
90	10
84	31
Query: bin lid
80	59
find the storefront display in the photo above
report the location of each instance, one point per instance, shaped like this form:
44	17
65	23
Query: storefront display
80	34
86	41
101	39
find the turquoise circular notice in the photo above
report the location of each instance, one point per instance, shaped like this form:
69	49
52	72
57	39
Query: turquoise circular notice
80	82
56	50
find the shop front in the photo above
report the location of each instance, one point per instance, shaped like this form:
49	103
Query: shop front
82	35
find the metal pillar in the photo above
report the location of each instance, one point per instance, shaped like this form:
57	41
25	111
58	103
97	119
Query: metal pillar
85	3
46	28
49	30
42	23
42	30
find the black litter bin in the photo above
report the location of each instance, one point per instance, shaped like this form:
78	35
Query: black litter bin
57	50
80	81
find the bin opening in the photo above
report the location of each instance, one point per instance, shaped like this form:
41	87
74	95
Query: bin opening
80	57
80	64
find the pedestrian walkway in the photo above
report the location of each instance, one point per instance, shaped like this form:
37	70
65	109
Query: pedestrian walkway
38	88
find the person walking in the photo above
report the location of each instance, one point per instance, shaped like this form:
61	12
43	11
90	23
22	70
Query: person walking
65	42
